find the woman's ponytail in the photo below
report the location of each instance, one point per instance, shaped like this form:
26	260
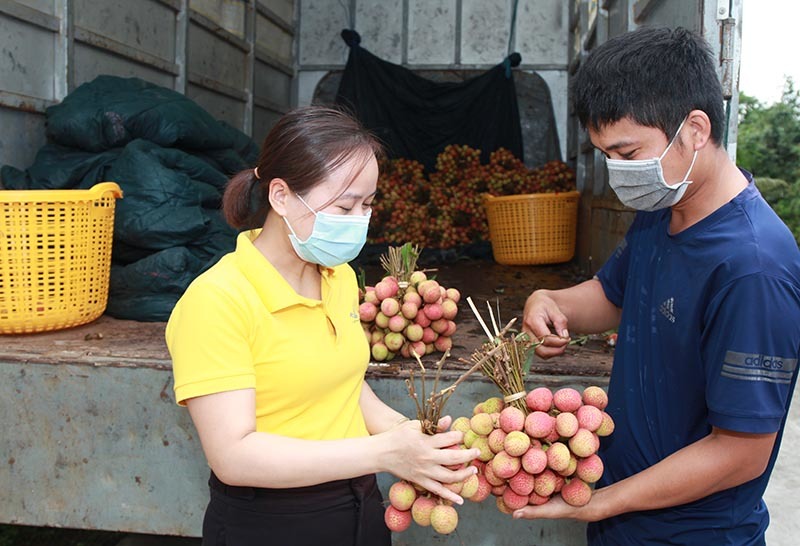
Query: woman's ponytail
241	194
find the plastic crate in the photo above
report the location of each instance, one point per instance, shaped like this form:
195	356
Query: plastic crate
536	228
55	256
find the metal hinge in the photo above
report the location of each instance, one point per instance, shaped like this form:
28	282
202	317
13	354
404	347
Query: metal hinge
727	49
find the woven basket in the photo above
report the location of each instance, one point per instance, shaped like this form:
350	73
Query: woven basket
536	228
55	256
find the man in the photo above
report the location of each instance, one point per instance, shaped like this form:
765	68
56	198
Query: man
705	290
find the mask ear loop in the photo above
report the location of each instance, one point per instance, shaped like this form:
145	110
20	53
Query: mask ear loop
674	138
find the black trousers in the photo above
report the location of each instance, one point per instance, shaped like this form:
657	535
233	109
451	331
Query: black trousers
339	513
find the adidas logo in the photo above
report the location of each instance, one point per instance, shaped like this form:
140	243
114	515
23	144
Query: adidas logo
667	310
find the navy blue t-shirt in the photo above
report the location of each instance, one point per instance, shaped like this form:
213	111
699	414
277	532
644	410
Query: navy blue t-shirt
709	336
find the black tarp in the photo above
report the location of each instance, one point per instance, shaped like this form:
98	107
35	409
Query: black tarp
417	118
171	159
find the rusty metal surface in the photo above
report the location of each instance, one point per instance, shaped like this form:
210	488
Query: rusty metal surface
108	342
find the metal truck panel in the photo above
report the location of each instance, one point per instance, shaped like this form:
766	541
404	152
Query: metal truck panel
432	32
380	24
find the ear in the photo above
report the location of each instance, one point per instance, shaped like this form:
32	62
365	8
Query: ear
278	194
699	126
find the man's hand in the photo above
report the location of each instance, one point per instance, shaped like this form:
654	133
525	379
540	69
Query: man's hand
540	315
556	508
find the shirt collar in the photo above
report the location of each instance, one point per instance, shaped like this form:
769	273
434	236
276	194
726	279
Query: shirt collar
273	290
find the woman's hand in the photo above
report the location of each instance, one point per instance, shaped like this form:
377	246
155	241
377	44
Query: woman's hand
422	459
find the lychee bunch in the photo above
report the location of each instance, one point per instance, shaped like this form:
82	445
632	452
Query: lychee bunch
528	458
407	318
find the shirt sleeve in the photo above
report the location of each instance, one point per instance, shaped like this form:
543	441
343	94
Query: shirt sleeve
750	350
207	337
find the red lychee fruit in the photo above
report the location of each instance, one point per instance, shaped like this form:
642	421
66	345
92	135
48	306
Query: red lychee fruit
397	323
417	277
432	310
402	495
409	310
539	424
390	307
421	510
460	424
386	289
607	426
583	443
494	404
516	443
367	311
501	506
537	500
481	423
380	352
439	326
567	399
514	500
412	298
576	492
534	460
595	396
522	483
443	343
470	486
396	520
496	440
590	469
511	419
414	332
449	309
453	294
589	417
484	489
504	465
444	519
567	424
558	456
544	483
539	399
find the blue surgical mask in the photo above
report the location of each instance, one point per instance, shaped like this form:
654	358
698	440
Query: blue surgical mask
640	183
335	238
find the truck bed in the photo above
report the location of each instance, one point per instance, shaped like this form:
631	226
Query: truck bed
94	439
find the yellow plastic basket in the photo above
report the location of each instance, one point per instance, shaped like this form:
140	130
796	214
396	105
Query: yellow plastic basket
535	228
55	256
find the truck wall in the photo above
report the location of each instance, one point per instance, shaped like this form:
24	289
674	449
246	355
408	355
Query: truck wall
234	57
438	35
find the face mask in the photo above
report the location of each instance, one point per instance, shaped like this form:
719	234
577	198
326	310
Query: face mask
640	183
335	238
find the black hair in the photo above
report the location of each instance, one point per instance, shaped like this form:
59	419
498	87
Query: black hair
654	76
302	148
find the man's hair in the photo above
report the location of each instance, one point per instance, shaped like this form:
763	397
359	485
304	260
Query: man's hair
654	76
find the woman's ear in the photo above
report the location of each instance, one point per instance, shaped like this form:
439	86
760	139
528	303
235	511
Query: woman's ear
699	129
278	194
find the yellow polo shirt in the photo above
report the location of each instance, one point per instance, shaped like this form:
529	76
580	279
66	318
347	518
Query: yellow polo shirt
240	325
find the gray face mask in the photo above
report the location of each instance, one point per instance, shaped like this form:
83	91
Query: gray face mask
640	184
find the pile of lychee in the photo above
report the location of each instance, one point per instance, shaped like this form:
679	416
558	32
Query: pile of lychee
414	317
526	457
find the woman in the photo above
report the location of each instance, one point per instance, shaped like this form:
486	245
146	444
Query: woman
269	355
